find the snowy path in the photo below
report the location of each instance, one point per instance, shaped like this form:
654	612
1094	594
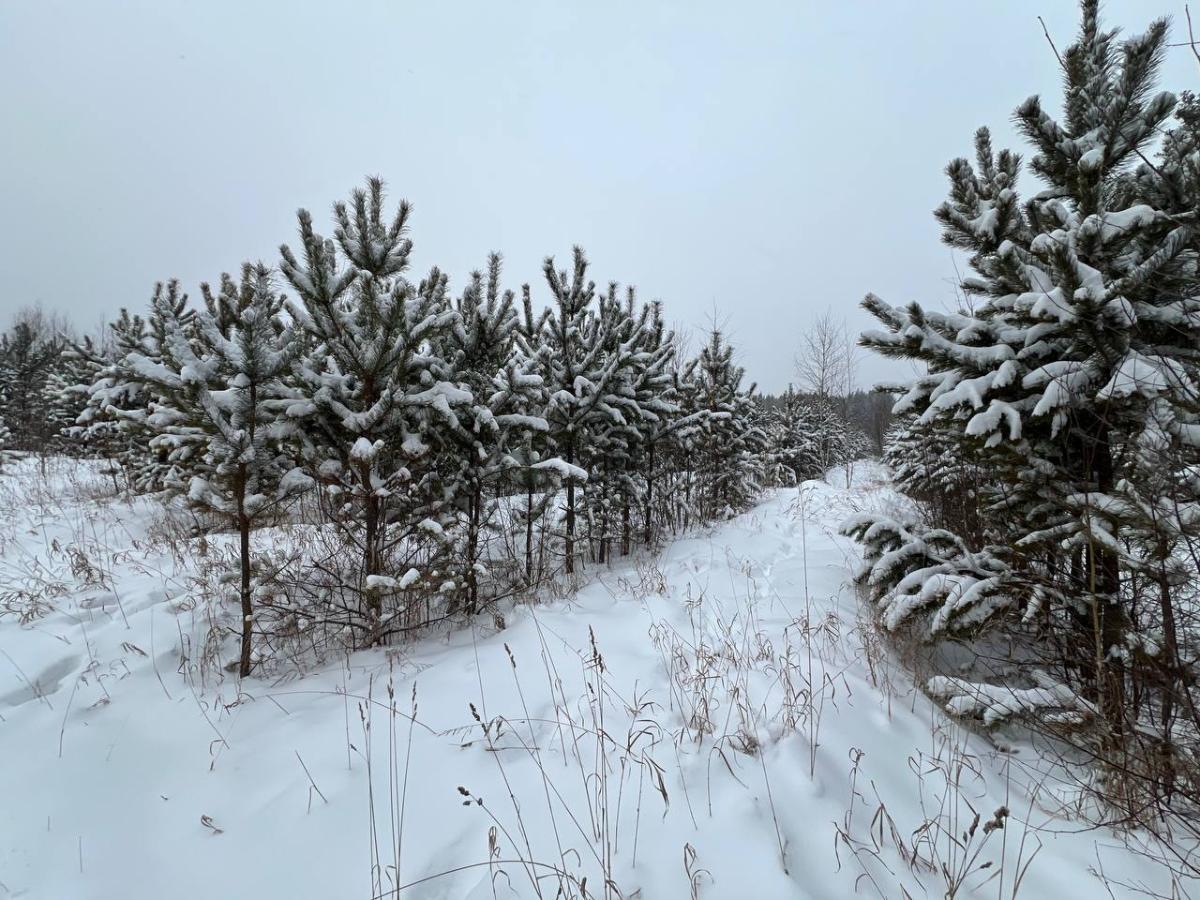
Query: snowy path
713	721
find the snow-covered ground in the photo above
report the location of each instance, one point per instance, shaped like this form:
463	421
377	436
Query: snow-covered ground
713	721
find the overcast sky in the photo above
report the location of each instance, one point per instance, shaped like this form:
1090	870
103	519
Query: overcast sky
768	160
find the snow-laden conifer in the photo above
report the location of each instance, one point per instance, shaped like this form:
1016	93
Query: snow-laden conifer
729	448
375	398
499	426
1083	339
220	381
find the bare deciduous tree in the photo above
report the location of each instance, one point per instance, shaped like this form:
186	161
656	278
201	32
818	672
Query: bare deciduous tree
826	362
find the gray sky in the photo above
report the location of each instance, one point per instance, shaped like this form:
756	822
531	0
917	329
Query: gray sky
774	159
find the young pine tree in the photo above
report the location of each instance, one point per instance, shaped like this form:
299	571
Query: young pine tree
501	422
220	379
729	449
116	418
1083	340
577	375
377	399
793	448
29	355
66	396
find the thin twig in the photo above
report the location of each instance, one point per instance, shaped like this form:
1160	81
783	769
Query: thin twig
1046	32
1191	34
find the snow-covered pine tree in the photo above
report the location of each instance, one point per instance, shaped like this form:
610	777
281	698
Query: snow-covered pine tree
5	442
612	435
836	441
97	429
577	375
66	396
677	482
378	401
154	466
659	420
98	424
28	356
1084	338
119	402
537	474
932	463
634	339
501	423
729	449
793	452
219	379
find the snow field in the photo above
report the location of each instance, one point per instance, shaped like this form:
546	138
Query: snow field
714	721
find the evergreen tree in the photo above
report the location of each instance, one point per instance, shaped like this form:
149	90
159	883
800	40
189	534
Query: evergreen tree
577	374
633	402
793	451
681	466
219	377
1084	340
377	399
28	356
729	449
66	396
660	419
835	441
538	472
931	464
501	423
119	400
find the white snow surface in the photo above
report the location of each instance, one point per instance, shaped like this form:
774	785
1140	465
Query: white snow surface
738	675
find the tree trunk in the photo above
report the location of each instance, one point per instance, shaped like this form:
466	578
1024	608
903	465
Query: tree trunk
1111	627
473	517
602	541
529	537
648	532
247	601
626	528
1111	622
1172	680
371	562
569	538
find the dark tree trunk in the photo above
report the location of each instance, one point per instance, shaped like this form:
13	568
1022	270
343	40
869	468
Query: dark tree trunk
1111	623
569	539
529	537
648	529
473	516
247	600
371	561
626	528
